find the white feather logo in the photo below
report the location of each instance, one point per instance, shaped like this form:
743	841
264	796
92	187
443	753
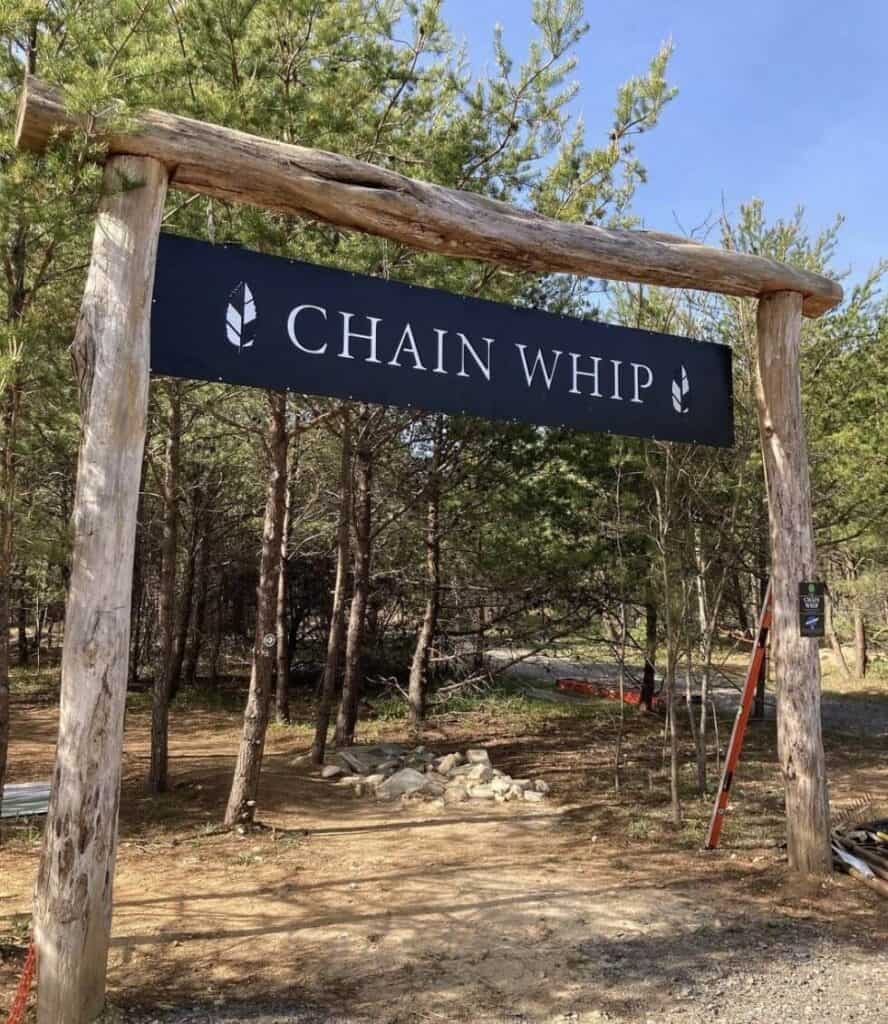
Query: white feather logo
240	314
681	388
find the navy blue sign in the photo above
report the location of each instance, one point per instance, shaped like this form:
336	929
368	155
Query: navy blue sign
222	313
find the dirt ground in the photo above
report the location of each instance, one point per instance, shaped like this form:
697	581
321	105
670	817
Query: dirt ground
585	908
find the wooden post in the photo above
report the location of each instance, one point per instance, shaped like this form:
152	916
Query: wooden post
796	659
72	918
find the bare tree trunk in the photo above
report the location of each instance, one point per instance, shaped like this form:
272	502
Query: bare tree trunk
218	629
834	642
72	912
186	599
351	683
796	658
336	634
160	703
282	668
244	794
648	679
8	467
419	667
861	657
198	624
24	650
138	598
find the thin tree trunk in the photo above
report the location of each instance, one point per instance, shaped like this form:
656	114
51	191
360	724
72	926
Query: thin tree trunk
796	658
186	600
834	641
218	628
336	633
244	794
419	667
8	470
73	893
282	668
24	650
198	624
648	679
351	683
861	656
160	703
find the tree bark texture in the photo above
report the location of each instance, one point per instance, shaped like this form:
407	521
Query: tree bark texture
166	599
244	793
336	634
10	416
796	659
72	916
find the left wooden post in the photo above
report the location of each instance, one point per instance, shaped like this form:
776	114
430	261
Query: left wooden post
72	915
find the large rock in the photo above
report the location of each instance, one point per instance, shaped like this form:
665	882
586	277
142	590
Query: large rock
331	771
501	785
478	756
533	796
482	792
446	764
456	793
365	760
541	787
479	773
433	788
402	783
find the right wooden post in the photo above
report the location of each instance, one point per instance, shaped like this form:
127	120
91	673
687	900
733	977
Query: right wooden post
793	559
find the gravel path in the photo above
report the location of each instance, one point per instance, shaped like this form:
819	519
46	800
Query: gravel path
754	972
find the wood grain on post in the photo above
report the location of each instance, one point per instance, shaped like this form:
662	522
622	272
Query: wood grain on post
233	165
74	885
793	559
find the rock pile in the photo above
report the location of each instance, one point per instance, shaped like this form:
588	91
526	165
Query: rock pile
390	771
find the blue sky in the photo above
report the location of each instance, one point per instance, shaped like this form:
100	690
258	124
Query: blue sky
780	99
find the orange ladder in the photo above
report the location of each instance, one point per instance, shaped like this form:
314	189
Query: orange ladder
759	653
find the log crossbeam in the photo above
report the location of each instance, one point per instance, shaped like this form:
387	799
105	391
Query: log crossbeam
297	180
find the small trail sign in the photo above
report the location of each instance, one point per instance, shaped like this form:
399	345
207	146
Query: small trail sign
223	313
812	608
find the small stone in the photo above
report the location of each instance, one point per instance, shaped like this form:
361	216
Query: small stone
438	804
372	781
481	792
522	783
541	787
478	756
501	785
516	793
331	771
432	788
534	796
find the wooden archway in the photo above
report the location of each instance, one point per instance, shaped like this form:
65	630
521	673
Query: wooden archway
74	889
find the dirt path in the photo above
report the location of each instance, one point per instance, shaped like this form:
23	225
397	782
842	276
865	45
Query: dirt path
564	913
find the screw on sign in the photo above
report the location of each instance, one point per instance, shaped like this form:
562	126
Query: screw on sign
268	641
